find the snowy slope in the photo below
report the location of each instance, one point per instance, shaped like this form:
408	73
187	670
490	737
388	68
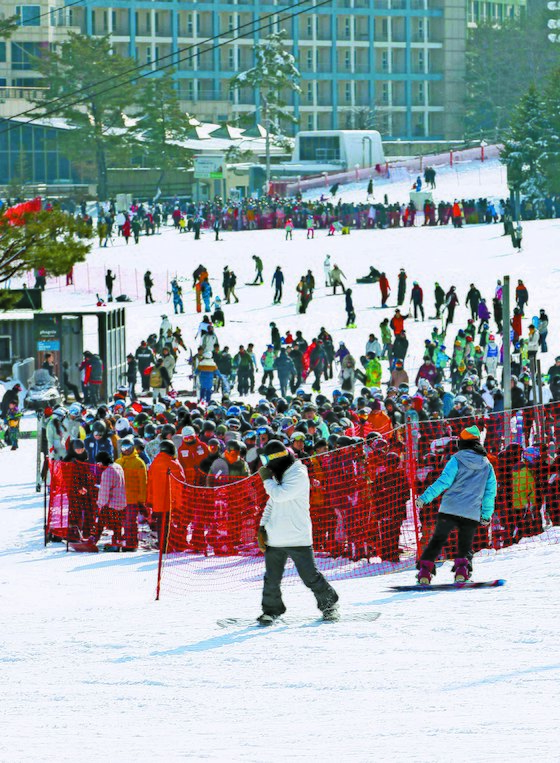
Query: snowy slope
93	668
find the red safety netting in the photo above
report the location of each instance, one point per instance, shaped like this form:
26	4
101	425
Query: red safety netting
362	504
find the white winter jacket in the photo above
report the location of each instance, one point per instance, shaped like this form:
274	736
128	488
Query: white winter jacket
286	515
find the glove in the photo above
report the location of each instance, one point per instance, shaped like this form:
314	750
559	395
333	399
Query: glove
420	503
485	522
262	538
265	473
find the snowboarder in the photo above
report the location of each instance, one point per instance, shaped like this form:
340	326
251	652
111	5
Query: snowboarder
177	293
384	288
417	299
259	269
110	279
469	483
401	293
327	270
285	533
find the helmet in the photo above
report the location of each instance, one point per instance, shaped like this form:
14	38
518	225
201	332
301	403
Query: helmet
336	393
159	408
209	426
75	410
234	424
141	418
300	391
233	410
460	399
286	423
59	412
531	454
188	433
98	427
122	425
403	388
166	430
149	432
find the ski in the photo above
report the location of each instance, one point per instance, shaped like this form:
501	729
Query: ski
449	586
250	622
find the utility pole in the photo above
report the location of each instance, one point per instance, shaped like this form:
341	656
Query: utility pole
506	376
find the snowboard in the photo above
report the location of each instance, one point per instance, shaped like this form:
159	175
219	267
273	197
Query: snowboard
449	586
83	546
251	622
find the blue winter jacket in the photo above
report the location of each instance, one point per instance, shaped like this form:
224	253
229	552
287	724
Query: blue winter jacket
470	487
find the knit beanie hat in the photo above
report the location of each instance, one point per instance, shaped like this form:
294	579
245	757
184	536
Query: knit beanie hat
470	433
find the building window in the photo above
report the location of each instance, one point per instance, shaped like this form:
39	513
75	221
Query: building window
231	59
347	60
310	124
156	22
310	27
148	23
149	54
23	54
310	59
2	52
310	92
189	25
385	93
347	28
348	92
421	92
28	15
421	60
113	20
230	23
421	28
385	61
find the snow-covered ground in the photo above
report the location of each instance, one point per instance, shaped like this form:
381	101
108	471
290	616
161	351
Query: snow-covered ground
462	180
92	667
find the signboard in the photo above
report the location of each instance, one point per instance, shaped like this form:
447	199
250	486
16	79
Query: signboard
209	167
48	336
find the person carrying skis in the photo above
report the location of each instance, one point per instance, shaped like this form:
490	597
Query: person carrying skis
285	533
469	482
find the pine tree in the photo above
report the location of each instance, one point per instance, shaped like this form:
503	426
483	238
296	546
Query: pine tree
51	239
161	123
97	113
275	71
552	105
527	145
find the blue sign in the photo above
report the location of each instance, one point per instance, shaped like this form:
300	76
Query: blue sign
48	345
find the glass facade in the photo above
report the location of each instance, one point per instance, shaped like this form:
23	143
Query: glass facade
31	153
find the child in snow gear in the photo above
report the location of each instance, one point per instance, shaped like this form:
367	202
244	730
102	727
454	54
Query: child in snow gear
469	483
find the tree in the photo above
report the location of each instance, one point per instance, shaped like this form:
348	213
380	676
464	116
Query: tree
49	239
527	145
89	64
274	73
8	27
502	61
552	106
161	122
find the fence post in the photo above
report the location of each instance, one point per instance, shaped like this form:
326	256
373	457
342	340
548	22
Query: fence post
164	532
506	374
451	158
411	470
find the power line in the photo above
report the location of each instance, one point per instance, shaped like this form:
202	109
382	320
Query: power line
151	72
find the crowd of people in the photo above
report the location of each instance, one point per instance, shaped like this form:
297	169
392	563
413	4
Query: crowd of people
354	441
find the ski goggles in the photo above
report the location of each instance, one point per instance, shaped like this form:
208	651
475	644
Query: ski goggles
266	459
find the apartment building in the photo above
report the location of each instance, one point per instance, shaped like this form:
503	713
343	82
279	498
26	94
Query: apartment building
396	65
495	11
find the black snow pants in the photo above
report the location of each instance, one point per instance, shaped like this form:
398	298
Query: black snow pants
445	525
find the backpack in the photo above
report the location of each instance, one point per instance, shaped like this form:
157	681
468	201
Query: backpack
155	379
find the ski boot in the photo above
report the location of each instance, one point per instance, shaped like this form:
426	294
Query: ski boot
331	614
265	620
426	570
462	570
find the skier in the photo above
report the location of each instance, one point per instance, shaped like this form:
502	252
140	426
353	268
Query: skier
110	279
148	283
310	225
289	227
285	533
401	293
439	295
327	270
417	299
350	312
470	487
277	281
177	293
384	288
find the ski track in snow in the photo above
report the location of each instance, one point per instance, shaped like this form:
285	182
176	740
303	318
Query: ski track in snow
91	666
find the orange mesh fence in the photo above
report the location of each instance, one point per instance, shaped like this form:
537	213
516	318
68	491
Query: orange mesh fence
362	503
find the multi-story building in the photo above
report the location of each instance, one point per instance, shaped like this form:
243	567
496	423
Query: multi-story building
494	11
396	65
